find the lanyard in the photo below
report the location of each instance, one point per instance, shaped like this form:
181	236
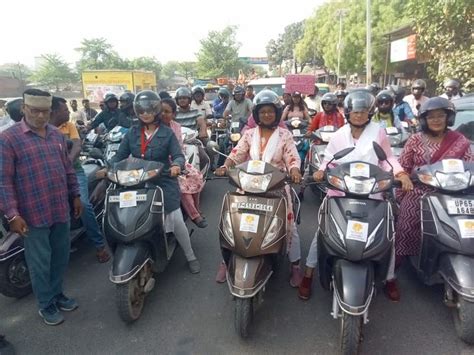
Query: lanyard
144	142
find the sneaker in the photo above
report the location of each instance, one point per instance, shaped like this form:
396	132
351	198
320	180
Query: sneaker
194	266
51	315
391	291
221	276
296	276
304	291
66	304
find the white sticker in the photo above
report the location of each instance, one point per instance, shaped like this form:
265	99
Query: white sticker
235	125
256	167
328	129
404	124
249	222
453	166
357	231
296	132
325	136
360	170
466	227
128	199
391	130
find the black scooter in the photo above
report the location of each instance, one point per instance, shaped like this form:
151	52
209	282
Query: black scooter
134	224
355	239
447	248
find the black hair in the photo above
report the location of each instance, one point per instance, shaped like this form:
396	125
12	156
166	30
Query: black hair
301	104
35	92
56	103
249	87
163	94
85	100
74	100
170	102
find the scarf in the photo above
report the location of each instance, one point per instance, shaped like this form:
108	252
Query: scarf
270	148
364	150
454	145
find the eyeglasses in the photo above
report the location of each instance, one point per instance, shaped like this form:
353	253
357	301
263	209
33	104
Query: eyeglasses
440	116
37	112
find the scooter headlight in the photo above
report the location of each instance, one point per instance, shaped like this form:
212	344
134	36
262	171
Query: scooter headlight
129	177
453	182
382	185
112	177
235	137
361	187
272	232
428	179
336	182
227	229
254	183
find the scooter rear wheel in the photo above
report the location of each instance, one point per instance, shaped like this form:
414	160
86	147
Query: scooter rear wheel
351	331
464	320
243	315
14	277
130	298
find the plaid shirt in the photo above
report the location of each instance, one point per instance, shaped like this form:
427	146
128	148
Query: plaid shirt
36	177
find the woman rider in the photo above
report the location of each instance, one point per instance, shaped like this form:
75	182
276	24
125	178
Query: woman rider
296	108
274	145
152	140
435	142
360	132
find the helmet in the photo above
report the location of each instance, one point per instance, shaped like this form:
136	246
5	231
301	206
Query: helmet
183	92
418	83
398	91
374	88
126	100
13	108
329	98
110	97
436	103
384	95
452	82
238	90
223	92
357	101
340	93
163	94
197	89
267	97
147	101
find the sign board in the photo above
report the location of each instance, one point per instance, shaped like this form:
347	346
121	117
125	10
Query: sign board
302	83
403	49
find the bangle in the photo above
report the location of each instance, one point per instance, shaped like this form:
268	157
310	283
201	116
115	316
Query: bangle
401	173
12	219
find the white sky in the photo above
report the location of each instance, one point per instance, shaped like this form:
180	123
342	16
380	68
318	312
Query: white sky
168	30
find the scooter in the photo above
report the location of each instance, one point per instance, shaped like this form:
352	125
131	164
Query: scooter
134	225
252	234
112	141
398	138
447	246
355	239
194	151
298	127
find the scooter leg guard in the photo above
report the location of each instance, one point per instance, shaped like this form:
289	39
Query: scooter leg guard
458	271
129	259
354	285
246	276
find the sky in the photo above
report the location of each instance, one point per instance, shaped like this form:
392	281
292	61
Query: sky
167	30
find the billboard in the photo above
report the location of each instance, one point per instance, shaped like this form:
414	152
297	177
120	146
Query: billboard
403	49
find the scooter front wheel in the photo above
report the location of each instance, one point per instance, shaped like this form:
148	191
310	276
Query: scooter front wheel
15	277
351	332
130	298
464	320
243	315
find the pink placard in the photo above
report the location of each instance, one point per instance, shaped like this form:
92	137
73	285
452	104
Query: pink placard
302	83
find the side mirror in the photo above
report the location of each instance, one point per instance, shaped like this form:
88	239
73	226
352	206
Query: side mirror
379	151
342	153
212	147
80	123
96	153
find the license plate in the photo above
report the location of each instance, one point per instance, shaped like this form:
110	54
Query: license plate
116	198
296	133
461	206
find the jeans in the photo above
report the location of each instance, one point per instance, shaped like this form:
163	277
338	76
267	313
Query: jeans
47	257
88	216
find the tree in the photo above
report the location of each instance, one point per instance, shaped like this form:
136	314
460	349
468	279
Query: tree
97	53
187	69
444	34
146	63
54	72
170	69
219	54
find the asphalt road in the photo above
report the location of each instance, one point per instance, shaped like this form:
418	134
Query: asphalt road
191	314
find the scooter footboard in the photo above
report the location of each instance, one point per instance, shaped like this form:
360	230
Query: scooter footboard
129	259
458	271
247	276
353	285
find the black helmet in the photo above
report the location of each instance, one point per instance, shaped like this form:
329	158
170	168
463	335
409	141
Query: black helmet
452	83
163	94
436	103
340	93
418	83
267	97
384	95
183	92
126	100
147	101
357	101
238	90
374	88
330	98
13	109
198	89
110	97
398	91
223	92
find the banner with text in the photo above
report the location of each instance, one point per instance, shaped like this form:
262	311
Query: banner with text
302	83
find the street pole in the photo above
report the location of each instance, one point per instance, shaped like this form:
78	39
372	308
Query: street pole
339	45
369	45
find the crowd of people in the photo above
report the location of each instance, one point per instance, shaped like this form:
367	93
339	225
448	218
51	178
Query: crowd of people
41	178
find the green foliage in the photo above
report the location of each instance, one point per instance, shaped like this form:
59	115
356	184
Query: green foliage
444	34
145	63
54	72
218	55
97	53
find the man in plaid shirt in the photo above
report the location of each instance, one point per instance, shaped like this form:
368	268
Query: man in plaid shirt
37	183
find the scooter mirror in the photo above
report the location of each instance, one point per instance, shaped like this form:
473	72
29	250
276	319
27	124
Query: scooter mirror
379	151
96	153
212	147
342	153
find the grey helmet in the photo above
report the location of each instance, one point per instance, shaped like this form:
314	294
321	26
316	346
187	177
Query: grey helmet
267	97
436	103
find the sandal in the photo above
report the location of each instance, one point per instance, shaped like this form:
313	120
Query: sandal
102	255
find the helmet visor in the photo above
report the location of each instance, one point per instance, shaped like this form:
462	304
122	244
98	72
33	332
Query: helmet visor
150	107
